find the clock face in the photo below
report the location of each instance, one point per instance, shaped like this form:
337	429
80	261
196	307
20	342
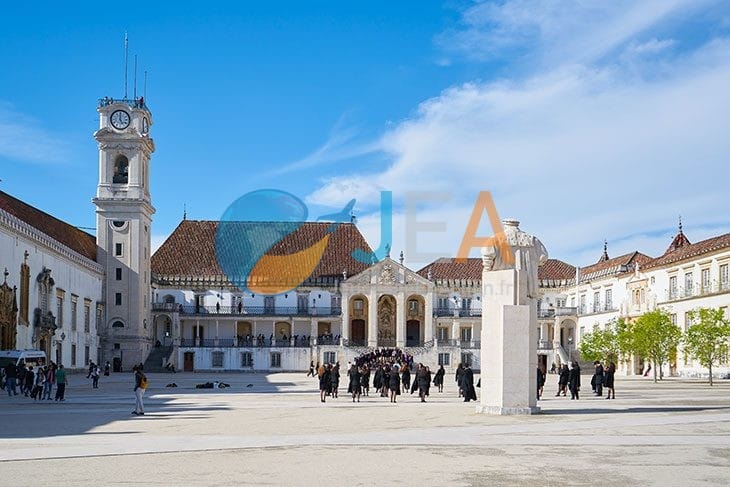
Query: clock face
119	119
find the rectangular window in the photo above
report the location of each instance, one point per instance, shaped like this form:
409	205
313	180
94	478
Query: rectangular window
442	333
118	249
86	355
688	284
330	357
99	315
673	317
87	317
609	299
596	302
117	346
445	359
118	299
560	302
269	305
74	312
724	283
582	309
687	320
705	281
275	359
59	310
466	359
466	304
118	273
302	303
217	359
673	287
572	302
246	359
73	355
466	334
357	304
443	303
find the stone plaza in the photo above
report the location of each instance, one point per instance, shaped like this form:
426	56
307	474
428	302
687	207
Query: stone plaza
271	429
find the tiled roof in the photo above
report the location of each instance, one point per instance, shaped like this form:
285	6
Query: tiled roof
190	250
447	268
554	269
617	265
77	240
688	251
680	240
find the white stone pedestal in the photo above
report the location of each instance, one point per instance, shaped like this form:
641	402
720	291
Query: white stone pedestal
509	344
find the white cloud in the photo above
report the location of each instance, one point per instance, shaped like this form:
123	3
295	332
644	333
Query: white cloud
652	46
552	32
579	152
24	139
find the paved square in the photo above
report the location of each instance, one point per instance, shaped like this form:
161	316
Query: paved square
276	432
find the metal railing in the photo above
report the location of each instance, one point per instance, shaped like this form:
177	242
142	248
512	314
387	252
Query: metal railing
189	309
696	291
244	343
457	312
131	102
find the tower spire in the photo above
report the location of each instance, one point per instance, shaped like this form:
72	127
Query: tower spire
604	257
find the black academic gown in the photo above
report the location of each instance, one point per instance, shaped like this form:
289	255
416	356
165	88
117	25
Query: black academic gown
467	384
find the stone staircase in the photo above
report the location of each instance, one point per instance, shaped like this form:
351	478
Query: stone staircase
157	359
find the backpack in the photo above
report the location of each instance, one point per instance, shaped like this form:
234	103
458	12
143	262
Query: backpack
143	382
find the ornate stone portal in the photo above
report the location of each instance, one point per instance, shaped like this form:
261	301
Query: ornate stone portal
509	323
8	314
386	320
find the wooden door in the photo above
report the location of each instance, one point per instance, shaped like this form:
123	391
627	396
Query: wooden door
413	332
188	358
357	331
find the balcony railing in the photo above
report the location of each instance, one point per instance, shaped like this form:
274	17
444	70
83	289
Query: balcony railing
186	309
244	343
558	311
457	312
678	293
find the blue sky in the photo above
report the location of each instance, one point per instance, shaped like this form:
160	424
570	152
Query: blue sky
586	120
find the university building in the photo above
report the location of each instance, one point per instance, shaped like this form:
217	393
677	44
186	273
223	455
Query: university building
81	298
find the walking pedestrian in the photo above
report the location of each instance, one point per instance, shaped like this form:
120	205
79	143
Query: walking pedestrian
574	381
563	378
355	387
50	380
394	383
540	381
95	377
458	376
61	382
470	394
438	379
324	382
599	378
140	386
406	378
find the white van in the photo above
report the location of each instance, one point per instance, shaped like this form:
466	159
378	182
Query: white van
35	358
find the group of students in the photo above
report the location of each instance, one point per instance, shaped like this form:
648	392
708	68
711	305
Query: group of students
34	383
602	377
390	378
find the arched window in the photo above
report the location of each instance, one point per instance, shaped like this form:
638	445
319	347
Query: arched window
121	170
117	324
169	299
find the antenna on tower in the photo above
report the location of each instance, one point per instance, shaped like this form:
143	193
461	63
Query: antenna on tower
144	92
126	63
135	76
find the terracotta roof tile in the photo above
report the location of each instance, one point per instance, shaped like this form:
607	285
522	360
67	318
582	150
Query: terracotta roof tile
687	251
68	235
190	249
554	269
448	268
617	265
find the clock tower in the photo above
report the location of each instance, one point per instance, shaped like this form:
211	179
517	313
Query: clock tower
123	226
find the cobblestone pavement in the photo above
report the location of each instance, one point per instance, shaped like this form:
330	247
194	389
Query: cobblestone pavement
272	430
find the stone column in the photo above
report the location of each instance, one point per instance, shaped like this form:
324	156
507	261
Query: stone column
313	330
455	331
400	320
372	319
345	318
428	318
543	331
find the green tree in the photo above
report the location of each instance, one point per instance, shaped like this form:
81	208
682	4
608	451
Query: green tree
653	336
600	345
707	339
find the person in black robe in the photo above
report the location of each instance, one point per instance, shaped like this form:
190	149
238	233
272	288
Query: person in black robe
365	380
335	381
459	376
574	381
599	378
324	383
424	379
394	383
355	388
563	378
438	379
378	379
540	382
467	383
608	378
428	384
406	378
